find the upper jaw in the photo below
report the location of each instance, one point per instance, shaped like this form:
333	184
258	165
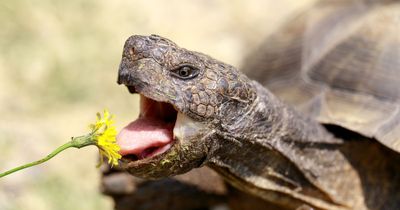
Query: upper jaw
145	77
138	72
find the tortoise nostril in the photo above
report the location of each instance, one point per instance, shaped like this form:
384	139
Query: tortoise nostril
131	51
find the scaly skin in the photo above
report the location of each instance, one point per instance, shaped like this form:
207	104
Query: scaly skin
258	144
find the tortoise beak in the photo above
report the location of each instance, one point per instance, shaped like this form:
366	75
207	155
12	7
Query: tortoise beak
144	76
137	72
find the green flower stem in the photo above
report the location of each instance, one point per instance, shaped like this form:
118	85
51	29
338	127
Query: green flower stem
76	142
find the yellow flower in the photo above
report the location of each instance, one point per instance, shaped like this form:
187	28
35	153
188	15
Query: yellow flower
104	134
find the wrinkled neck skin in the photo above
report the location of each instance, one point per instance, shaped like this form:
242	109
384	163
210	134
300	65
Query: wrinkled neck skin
271	151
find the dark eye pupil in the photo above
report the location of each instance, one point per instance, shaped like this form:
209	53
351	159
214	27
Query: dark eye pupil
184	71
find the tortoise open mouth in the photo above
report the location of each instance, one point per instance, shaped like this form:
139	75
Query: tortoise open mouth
151	134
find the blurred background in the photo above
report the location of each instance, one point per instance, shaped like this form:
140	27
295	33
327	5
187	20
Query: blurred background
58	67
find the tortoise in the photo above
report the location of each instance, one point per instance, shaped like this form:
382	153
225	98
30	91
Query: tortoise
317	128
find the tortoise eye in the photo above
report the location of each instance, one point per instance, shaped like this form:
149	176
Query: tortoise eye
185	72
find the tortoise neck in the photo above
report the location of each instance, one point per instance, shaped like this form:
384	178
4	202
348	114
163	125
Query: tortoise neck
269	121
275	152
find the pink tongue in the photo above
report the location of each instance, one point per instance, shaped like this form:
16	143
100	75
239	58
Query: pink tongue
144	134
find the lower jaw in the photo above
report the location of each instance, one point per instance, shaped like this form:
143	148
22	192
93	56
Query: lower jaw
162	165
176	160
158	151
128	161
168	159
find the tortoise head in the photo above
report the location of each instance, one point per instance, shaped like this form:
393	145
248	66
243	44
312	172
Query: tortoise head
187	98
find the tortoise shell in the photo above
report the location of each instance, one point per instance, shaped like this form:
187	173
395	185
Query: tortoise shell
339	62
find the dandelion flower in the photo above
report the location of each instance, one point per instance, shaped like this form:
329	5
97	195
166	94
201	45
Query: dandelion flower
103	135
